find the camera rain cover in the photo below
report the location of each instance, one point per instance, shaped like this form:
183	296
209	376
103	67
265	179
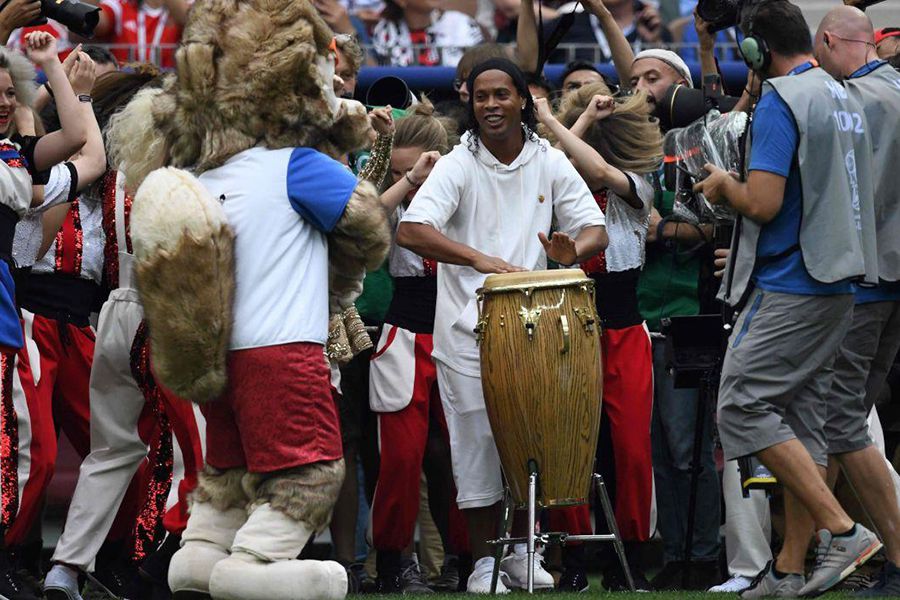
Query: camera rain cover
716	139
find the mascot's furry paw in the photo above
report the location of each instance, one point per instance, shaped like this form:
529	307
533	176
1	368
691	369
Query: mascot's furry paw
185	276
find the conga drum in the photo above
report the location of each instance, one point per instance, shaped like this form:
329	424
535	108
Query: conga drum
541	372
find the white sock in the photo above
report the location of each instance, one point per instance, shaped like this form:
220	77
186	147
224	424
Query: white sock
486	562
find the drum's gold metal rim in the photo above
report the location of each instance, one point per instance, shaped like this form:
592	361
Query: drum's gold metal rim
522	287
558	503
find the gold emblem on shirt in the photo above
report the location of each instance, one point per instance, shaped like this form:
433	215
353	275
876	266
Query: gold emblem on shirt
541	198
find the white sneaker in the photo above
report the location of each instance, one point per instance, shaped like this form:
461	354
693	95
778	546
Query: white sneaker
61	583
480	579
736	584
516	567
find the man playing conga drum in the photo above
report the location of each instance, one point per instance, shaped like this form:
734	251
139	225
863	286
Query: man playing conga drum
487	208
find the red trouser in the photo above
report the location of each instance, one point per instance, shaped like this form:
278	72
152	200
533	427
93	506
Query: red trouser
628	404
402	371
56	390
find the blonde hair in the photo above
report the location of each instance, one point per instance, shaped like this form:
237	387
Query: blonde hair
423	129
353	53
629	139
22	73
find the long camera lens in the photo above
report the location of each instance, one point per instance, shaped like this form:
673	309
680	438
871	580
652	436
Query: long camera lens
78	17
719	14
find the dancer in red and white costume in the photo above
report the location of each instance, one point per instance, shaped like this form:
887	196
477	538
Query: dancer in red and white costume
131	416
24	160
403	378
618	183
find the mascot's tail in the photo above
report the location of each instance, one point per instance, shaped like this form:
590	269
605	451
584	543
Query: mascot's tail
184	252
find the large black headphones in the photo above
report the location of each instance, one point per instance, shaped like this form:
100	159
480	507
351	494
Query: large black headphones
754	49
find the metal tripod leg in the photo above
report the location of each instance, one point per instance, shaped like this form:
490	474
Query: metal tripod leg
532	500
613	528
506	518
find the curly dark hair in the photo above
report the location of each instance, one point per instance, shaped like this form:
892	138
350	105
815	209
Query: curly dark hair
529	120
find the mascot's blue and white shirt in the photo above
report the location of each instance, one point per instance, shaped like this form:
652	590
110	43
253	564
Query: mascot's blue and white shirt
280	205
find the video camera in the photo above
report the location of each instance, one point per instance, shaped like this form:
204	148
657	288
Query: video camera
714	138
722	14
78	17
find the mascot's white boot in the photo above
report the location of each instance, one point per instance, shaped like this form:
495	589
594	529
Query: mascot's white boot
263	564
206	541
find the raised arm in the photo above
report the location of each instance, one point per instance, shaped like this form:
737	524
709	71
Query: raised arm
527	43
56	147
622	54
409	181
707	46
592	167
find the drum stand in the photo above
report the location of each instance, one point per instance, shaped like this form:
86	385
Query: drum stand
560	538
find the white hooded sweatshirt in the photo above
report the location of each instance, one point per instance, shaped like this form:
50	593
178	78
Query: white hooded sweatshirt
498	209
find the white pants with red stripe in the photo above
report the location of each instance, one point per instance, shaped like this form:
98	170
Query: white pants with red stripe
118	446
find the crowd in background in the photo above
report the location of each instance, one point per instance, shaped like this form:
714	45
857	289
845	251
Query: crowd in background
674	261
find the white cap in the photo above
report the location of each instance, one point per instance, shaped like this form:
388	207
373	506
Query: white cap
670	58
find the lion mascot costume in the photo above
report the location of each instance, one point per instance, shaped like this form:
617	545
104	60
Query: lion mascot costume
249	237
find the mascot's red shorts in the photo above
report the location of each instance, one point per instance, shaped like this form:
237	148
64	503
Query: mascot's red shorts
276	413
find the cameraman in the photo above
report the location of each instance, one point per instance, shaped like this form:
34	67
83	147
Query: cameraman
845	46
806	231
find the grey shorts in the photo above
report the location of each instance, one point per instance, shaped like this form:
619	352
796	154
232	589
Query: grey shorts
778	370
861	367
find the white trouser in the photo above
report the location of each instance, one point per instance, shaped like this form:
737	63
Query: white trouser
116	448
748	525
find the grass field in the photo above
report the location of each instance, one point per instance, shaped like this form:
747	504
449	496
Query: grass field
597	593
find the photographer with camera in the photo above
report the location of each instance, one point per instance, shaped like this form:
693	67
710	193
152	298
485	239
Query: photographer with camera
806	232
845	47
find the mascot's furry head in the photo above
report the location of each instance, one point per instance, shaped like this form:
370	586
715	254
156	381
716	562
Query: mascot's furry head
249	72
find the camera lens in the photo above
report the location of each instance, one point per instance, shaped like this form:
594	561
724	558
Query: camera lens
719	14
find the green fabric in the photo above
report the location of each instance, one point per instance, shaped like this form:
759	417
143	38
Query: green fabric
669	281
378	288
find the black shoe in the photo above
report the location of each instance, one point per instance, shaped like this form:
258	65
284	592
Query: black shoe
390	584
12	584
888	583
358	580
448	581
702	575
119	579
670	578
573	580
412	582
155	568
614	580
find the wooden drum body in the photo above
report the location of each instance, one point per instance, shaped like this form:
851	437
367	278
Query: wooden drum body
542	379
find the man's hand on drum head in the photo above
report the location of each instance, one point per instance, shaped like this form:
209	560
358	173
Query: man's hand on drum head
560	248
491	264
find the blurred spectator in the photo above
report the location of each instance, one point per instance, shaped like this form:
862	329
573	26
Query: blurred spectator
367	11
142	31
640	22
578	74
654	71
539	86
887	42
104	60
341	20
415	32
349	60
